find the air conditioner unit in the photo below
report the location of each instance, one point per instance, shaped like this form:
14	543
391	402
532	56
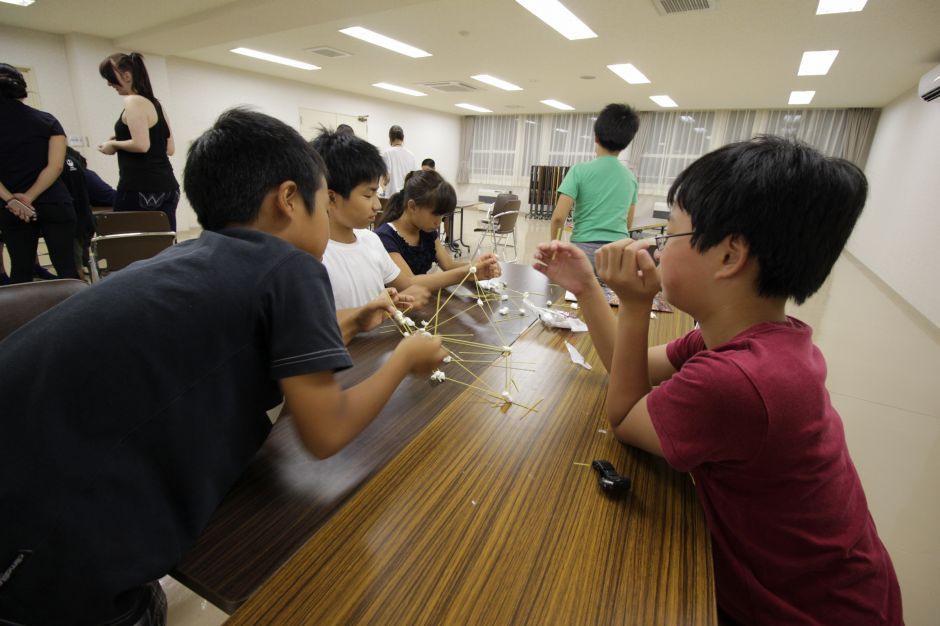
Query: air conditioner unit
930	85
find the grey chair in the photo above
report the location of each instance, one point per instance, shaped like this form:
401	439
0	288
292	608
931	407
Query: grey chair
500	226
22	302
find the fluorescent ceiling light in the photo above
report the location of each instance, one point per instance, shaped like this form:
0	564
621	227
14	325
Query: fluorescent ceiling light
396	88
827	7
558	105
817	62
801	97
664	101
473	107
273	58
556	15
496	82
385	42
629	73
19	3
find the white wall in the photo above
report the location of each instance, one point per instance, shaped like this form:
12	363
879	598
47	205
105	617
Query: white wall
202	91
897	234
194	94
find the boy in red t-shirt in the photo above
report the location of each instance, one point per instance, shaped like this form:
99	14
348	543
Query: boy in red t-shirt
741	402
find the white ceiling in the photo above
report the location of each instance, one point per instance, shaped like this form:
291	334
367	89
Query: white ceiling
743	54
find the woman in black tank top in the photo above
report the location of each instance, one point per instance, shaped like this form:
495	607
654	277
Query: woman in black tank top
142	140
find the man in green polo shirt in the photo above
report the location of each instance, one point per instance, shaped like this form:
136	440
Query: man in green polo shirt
603	191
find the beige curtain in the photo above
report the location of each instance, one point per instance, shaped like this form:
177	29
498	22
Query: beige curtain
466	147
860	125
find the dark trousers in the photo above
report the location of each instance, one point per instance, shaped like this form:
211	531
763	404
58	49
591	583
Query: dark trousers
55	221
165	201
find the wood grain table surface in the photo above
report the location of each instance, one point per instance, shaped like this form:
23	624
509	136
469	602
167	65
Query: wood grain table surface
487	516
285	495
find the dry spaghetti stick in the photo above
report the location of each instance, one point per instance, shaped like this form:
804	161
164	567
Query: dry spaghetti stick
438	311
558	237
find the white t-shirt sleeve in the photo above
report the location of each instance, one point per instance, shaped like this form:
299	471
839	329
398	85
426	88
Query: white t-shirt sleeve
387	266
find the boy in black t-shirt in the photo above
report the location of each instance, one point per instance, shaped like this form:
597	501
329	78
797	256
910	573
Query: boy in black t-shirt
103	492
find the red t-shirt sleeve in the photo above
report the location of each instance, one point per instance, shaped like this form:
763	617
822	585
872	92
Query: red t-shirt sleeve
709	410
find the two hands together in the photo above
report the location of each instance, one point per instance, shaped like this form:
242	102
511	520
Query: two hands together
422	354
625	266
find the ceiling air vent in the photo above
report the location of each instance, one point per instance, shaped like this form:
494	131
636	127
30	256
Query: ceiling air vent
671	7
450	86
326	51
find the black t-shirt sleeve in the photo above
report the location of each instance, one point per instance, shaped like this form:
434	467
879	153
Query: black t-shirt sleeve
55	128
304	334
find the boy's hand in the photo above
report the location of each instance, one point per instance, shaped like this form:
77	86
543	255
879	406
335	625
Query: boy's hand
487	267
565	264
419	296
627	268
422	354
371	314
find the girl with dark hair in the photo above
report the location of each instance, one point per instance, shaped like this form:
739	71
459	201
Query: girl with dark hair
142	140
409	231
32	155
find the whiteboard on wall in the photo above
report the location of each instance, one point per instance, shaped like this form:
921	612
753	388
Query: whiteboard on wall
311	120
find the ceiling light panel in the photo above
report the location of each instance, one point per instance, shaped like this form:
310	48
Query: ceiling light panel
557	15
817	62
382	41
561	106
801	97
273	58
473	107
664	101
397	89
629	73
496	82
19	3
827	7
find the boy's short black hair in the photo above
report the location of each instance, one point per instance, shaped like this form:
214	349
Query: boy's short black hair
616	126
395	133
794	206
351	160
232	166
429	162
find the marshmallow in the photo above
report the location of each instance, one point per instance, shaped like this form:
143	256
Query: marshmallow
438	376
504	297
521	311
504	310
479	302
548	303
574	305
473	269
448	359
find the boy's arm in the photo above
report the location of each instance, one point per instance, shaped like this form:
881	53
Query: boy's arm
630	213
560	215
328	417
661	368
631	272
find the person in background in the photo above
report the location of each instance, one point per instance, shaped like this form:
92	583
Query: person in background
603	192
428	165
104	489
142	140
360	269
741	402
409	232
74	177
32	154
345	128
398	162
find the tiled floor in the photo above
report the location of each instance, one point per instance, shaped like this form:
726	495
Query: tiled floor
884	360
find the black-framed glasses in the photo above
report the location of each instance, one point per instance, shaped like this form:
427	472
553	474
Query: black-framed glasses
661	239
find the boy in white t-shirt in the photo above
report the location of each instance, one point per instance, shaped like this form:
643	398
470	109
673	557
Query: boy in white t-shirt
359	267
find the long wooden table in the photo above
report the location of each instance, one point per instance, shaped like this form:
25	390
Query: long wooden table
476	515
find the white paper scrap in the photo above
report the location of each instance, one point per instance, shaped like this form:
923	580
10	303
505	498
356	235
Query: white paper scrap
576	357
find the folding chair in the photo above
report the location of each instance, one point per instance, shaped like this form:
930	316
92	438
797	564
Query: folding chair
122	249
131	222
21	303
500	226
